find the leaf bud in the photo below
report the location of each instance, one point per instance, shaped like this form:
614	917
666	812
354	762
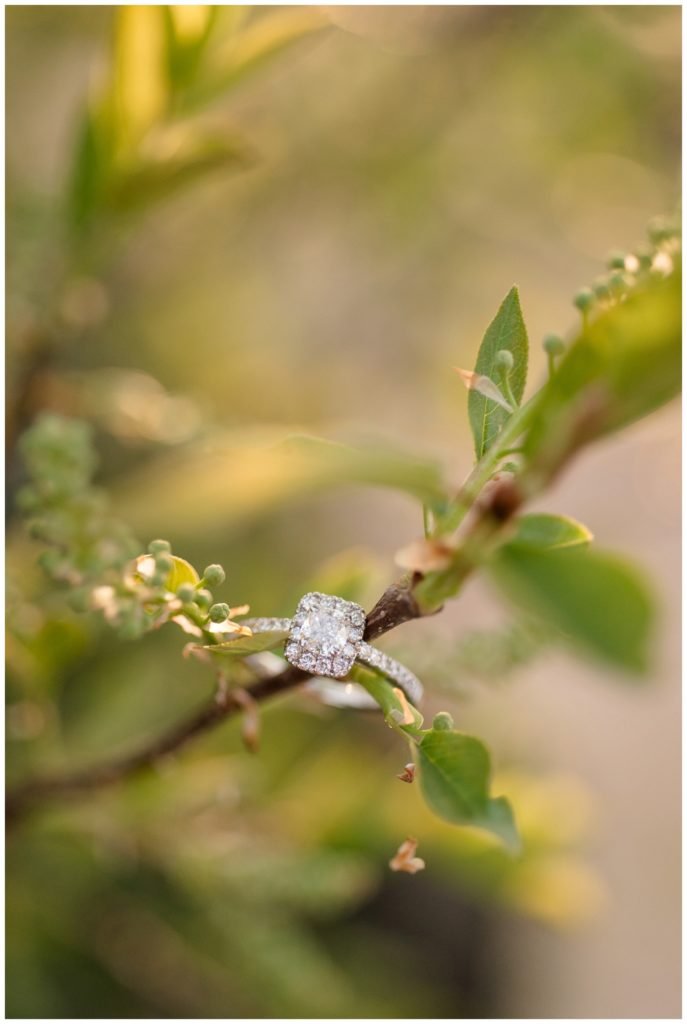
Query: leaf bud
584	300
159	547
219	612
616	260
601	289
186	593
442	722
504	360
554	345
214	575
163	563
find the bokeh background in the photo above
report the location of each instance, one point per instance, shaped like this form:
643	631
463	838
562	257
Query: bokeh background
396	170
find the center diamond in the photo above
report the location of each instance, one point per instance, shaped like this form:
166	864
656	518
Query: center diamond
325	635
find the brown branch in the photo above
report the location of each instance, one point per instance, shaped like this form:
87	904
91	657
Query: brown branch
396	605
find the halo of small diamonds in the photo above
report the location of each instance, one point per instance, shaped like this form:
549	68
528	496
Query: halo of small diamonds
325	635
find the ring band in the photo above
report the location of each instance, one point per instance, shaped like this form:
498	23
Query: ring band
325	638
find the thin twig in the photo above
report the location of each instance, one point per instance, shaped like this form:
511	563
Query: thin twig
397	605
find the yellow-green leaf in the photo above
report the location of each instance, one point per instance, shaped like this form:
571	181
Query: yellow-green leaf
542	531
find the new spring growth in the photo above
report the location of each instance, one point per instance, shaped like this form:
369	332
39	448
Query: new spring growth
554	347
159	547
584	301
186	593
213	575
504	364
442	722
219	612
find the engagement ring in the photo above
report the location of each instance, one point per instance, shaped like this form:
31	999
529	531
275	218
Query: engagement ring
325	638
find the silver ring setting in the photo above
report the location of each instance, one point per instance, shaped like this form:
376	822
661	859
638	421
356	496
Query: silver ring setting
325	638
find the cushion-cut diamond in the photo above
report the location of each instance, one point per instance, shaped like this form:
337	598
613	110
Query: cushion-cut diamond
326	631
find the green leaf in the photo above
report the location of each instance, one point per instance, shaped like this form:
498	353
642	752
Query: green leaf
231	482
242	646
597	601
184	157
541	531
506	331
455	775
624	365
263	39
395	708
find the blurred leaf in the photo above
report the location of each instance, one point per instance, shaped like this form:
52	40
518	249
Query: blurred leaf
182	572
596	600
188	28
93	162
321	882
263	39
172	159
455	777
354	574
623	366
236	482
139	91
506	331
399	713
245	645
542	531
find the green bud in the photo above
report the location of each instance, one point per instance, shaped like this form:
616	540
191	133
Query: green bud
601	289
442	722
554	345
214	575
219	612
616	260
203	598
504	360
159	547
617	282
163	563
584	300
186	593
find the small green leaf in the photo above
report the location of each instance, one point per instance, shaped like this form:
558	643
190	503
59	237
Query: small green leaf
597	601
396	709
506	332
242	646
541	531
455	778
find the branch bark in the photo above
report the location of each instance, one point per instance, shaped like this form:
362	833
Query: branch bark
396	606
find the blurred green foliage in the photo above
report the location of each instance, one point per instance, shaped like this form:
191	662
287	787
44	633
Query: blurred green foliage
329	223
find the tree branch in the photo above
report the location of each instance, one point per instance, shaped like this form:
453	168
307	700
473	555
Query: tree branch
395	606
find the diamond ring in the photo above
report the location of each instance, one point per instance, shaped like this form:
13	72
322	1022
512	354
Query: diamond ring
325	638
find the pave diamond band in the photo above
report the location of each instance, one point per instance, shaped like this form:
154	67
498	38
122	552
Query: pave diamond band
325	638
